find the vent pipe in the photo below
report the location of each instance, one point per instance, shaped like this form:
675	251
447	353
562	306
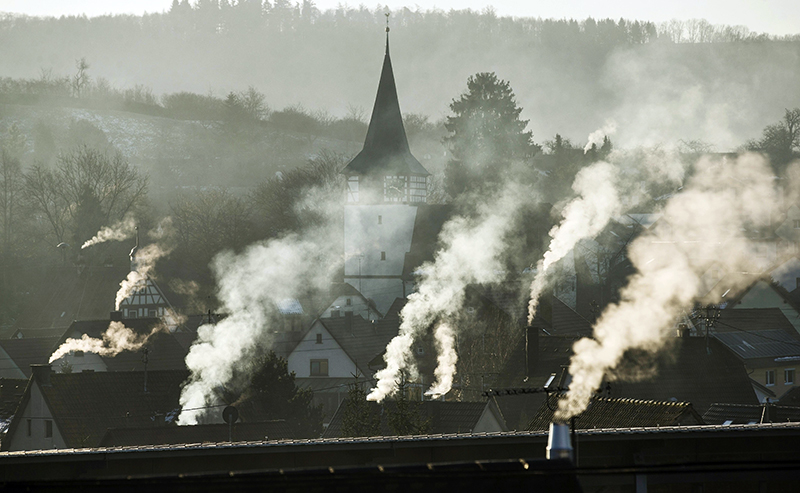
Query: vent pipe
559	445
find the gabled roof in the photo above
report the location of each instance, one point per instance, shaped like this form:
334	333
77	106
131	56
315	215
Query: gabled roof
84	405
769	343
568	322
214	433
604	412
26	352
386	148
361	339
742	414
445	417
11	392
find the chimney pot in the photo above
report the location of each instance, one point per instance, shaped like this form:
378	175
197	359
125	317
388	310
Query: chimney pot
116	316
559	445
683	330
41	373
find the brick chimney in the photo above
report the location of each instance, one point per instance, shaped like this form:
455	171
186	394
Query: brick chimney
116	316
41	374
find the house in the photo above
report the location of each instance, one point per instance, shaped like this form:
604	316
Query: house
445	417
613	412
17	355
75	410
336	351
164	350
689	369
771	357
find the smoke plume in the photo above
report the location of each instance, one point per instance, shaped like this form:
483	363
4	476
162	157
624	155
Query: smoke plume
115	339
702	227
596	137
145	261
122	230
471	253
251	287
597	202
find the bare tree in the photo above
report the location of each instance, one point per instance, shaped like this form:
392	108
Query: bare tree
81	78
81	176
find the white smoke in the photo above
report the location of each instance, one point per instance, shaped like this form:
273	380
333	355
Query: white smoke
122	230
145	261
115	339
251	286
598	201
596	137
471	253
447	358
702	227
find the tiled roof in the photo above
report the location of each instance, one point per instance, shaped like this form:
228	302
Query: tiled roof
215	433
606	412
768	343
86	404
719	414
22	353
752	319
688	372
361	339
567	322
445	417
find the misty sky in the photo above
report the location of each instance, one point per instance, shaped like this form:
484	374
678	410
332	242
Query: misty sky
772	16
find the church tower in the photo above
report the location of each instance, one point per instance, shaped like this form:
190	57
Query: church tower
385	185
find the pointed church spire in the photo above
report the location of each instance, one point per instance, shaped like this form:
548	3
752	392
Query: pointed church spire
386	145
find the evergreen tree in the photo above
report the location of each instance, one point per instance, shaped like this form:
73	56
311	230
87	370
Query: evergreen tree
360	418
485	133
405	418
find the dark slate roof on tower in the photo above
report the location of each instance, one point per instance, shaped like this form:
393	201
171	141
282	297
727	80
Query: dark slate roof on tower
386	146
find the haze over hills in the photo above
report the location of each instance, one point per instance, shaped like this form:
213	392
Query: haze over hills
659	83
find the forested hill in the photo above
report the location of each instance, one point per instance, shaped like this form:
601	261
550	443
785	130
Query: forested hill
660	83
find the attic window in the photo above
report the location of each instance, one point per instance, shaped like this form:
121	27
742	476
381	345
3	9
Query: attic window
319	338
769	378
48	428
319	368
349	302
383	255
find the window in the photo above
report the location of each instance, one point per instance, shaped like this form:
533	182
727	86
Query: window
319	368
770	378
152	313
796	223
380	219
319	338
132	314
788	376
30	427
383	255
48	428
349	302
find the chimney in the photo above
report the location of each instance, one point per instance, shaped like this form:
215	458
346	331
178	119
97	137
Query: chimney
559	445
683	330
41	373
116	316
531	350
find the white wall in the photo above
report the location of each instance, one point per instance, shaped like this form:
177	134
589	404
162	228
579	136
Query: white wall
38	413
339	364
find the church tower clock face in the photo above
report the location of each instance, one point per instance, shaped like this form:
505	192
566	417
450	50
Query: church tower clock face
394	189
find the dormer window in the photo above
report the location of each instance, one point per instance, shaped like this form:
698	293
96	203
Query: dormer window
319	338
